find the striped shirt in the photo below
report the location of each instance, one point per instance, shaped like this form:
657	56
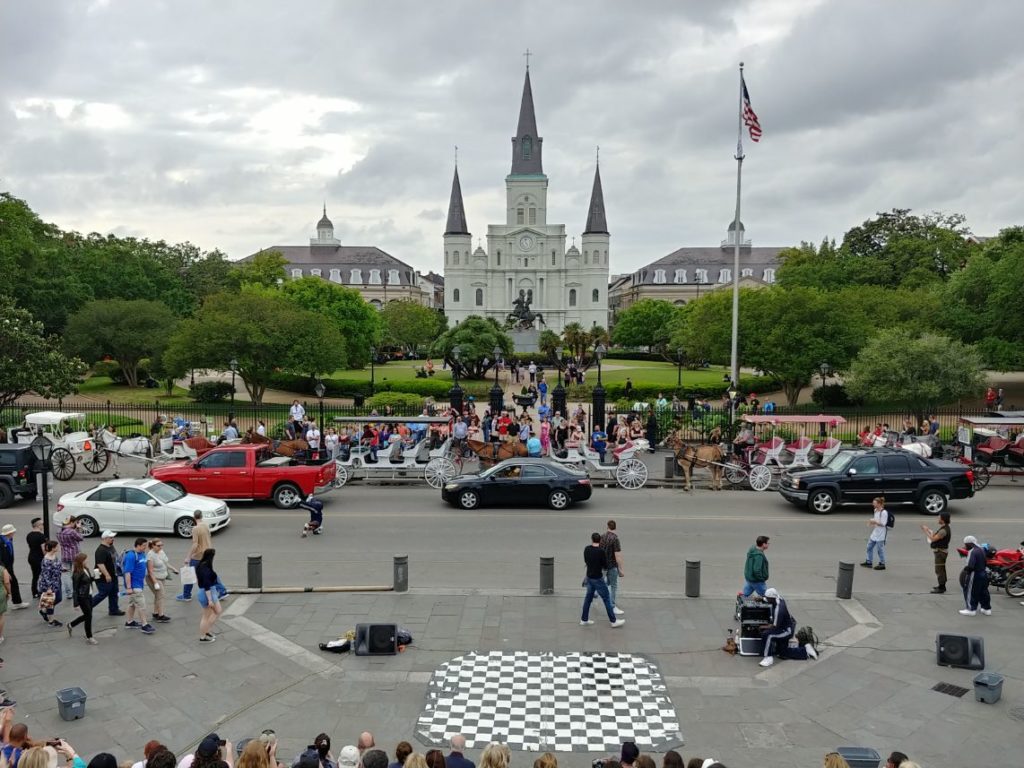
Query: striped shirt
69	538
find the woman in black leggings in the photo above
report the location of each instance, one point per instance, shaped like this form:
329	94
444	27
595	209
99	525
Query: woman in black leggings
81	580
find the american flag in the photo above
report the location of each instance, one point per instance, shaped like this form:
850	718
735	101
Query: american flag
749	117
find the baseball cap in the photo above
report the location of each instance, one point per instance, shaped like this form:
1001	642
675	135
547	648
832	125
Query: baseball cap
209	745
629	751
771	592
107	535
970	540
349	757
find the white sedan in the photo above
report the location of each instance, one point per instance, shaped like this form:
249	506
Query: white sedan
142	505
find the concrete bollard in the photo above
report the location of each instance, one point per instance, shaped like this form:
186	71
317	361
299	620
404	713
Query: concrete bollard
844	581
401	582
547	575
693	578
670	467
254	577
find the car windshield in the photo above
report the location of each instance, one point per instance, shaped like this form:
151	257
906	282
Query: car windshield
164	493
841	460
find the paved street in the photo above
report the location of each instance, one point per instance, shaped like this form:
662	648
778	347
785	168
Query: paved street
474	579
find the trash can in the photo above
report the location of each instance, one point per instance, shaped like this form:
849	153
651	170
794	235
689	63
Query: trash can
988	687
71	703
860	757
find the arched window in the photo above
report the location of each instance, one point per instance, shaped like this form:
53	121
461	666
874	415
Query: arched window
680	276
533	216
520	216
552	258
769	275
572	297
499	258
357	277
606	257
335	275
595	296
479	297
446	257
455	258
747	272
376	304
659	276
393	277
455	295
296	274
725	275
315	272
702	275
374	277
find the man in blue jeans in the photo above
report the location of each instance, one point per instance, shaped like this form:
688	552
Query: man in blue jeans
201	541
593	557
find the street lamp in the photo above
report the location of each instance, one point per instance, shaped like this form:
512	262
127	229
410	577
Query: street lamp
824	369
373	355
597	398
455	393
733	393
558	394
42	450
321	390
599	352
234	369
680	358
497	395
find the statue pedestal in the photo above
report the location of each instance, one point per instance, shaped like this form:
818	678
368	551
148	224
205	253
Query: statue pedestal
526	341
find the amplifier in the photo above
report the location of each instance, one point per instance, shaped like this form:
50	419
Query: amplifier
750	646
755	611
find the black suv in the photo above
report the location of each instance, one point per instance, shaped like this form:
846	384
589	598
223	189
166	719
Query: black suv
17	477
859	475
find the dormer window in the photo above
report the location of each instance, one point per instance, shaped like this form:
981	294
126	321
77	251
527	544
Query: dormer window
356	277
315	272
702	276
747	272
335	276
680	276
374	277
393	277
296	274
659	276
725	275
769	275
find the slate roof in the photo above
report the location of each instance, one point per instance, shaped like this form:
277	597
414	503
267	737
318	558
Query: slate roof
456	210
712	259
596	221
344	258
527	127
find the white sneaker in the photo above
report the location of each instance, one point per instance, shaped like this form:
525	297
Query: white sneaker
618	623
586	623
968	612
767	661
618	611
810	651
986	611
19	606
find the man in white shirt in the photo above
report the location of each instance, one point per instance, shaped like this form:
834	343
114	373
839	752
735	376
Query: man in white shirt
313	437
298	413
533	371
876	539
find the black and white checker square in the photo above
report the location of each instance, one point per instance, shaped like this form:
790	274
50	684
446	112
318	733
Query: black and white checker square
557	702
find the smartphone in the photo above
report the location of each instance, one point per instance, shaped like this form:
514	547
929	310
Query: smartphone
53	742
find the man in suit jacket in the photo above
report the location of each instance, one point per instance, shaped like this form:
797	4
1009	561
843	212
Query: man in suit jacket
7	560
455	758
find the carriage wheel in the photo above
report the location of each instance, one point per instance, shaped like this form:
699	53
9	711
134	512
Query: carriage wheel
439	471
63	463
631	474
760	477
341	477
96	460
981	476
735	474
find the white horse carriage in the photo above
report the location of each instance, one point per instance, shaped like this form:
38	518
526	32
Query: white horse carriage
629	473
397	460
73	445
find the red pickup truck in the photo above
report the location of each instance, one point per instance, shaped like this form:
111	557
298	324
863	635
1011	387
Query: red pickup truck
248	472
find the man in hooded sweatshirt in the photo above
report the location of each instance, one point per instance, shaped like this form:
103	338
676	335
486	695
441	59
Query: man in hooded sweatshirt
755	569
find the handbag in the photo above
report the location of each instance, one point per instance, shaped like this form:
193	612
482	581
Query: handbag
47	600
188	575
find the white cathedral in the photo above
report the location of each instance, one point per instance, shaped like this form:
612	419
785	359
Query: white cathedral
526	257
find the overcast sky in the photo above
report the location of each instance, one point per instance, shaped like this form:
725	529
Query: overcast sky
228	123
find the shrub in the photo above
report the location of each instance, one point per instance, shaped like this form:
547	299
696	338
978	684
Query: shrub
833	395
108	368
210	391
436	388
398	400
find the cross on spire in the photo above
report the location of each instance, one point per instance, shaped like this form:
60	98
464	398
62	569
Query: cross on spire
598	153
456	155
528	55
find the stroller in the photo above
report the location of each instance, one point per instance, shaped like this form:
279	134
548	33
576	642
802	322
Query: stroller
315	507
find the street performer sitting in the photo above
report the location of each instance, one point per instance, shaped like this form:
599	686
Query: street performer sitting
777	634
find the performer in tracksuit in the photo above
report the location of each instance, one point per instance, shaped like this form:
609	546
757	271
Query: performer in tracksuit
779	631
976	584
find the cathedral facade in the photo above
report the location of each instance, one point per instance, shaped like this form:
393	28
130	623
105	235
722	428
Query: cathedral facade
526	265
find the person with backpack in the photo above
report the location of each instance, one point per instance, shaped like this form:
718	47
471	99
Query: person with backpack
880	523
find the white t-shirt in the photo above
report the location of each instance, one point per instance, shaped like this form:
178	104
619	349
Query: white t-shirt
297	411
533	368
313	437
878	531
260	430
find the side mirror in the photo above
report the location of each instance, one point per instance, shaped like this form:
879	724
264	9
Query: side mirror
196	465
851	472
151	502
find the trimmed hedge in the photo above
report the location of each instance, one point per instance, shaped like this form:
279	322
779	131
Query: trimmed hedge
649	392
210	391
395	400
436	389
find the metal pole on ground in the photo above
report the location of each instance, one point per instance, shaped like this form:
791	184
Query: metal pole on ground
693	578
254	576
401	567
547	575
670	467
844	581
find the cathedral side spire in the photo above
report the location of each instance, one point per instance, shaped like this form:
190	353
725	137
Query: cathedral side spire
526	144
456	210
596	221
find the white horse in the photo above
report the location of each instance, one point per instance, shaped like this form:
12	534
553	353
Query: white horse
125	446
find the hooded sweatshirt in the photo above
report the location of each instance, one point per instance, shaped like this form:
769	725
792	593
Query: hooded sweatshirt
756	567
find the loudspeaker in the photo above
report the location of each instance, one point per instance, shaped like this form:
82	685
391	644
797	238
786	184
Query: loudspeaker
960	651
376	639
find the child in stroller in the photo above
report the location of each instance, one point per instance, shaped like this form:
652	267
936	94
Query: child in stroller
315	507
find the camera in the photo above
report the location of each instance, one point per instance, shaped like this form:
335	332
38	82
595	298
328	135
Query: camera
53	742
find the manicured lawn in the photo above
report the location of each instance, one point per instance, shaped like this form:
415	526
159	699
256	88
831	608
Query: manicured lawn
103	387
396	370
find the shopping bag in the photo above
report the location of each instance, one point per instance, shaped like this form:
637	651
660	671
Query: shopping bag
188	575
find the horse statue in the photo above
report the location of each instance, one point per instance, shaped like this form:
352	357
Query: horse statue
492	453
280	447
701	456
521	318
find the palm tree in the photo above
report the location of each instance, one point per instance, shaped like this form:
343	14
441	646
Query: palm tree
576	339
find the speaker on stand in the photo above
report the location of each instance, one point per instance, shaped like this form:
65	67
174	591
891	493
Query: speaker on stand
961	651
376	639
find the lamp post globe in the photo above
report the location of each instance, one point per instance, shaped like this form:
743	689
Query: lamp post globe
233	364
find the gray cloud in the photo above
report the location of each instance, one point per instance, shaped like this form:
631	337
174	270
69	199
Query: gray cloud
228	123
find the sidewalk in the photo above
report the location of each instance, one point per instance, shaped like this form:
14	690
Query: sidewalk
265	671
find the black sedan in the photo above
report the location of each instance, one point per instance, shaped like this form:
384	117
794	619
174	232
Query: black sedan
522	482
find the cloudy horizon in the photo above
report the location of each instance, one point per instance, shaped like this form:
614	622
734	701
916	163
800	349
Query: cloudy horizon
230	124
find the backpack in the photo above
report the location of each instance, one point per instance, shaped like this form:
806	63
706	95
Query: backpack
806	635
119	563
890	519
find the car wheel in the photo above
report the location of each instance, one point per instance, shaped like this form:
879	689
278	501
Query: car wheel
821	502
178	487
559	499
87	526
933	501
183	527
287	496
469	500
6	496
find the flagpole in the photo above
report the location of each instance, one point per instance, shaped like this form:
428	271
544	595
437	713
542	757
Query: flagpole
734	359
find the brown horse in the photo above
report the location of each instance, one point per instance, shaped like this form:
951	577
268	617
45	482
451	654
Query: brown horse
280	447
701	456
492	453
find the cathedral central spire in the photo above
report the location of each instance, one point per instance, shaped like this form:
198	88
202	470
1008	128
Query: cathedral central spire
456	210
597	223
526	144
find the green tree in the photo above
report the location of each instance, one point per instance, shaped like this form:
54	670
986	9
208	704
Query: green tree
918	372
263	333
548	342
576	339
644	324
410	325
359	323
266	268
599	335
30	361
476	338
128	331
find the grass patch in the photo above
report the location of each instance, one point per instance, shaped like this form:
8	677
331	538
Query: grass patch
396	370
103	387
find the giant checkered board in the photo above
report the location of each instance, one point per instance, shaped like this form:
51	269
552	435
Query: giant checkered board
564	702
